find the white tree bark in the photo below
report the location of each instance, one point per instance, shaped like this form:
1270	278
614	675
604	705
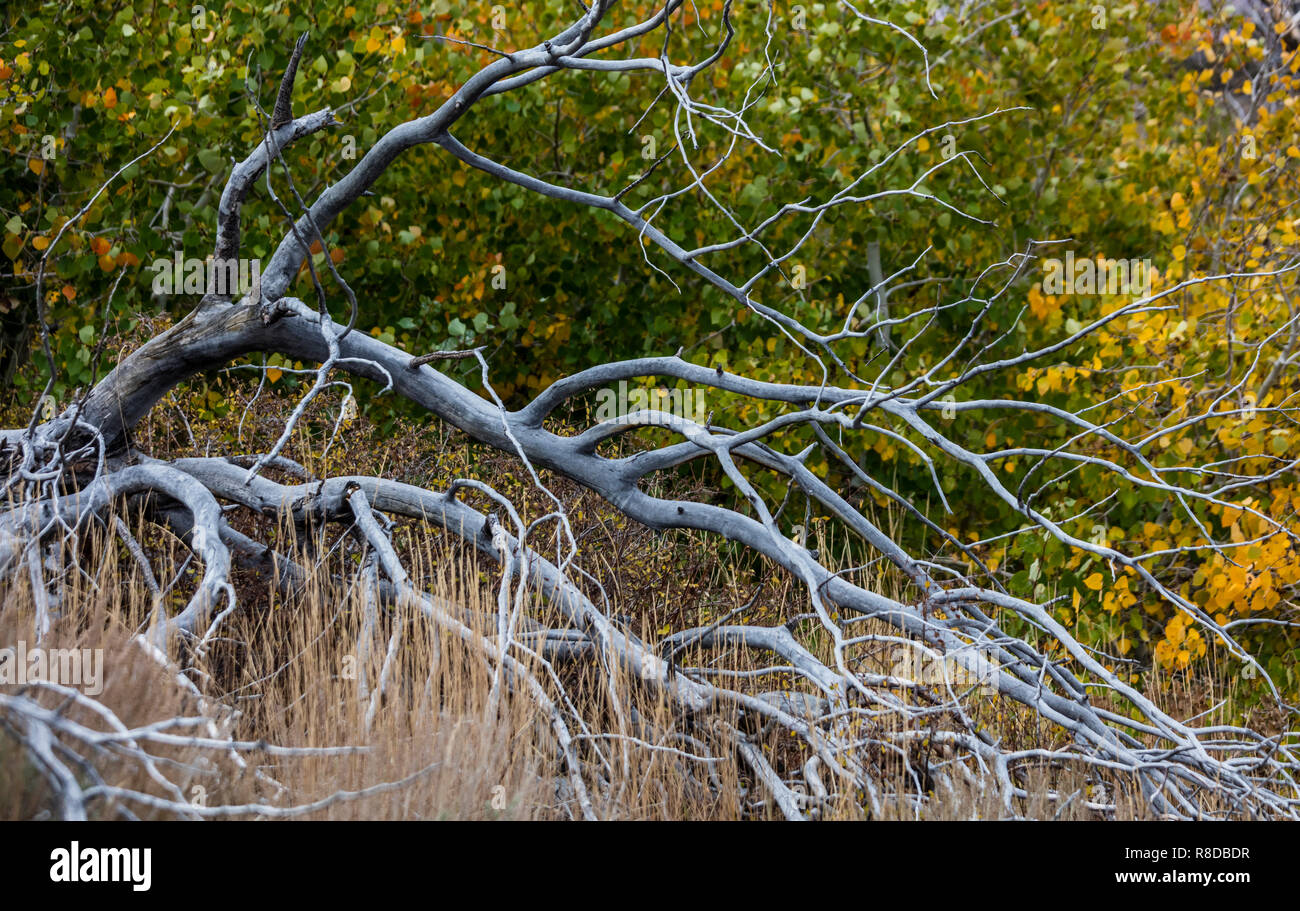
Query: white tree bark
839	711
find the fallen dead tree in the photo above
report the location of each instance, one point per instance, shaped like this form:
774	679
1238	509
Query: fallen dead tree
872	736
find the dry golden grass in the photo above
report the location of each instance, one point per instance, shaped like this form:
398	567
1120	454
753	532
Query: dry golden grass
294	674
290	664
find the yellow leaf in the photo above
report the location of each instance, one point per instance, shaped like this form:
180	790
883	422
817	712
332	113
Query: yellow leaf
273	374
1094	582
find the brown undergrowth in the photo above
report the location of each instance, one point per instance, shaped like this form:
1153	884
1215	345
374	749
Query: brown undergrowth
436	732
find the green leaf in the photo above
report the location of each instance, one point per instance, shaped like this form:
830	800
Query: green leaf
212	160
